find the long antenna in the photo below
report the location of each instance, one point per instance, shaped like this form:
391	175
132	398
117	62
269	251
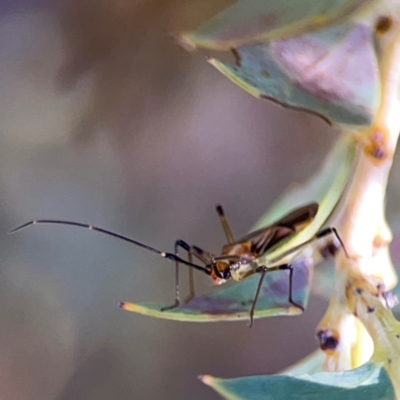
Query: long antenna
168	256
224	223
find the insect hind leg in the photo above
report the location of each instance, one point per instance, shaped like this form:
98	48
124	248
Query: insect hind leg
331	248
285	267
263	271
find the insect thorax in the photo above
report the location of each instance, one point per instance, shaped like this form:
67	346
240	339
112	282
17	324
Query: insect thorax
240	261
245	267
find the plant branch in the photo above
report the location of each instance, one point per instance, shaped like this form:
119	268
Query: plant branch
361	221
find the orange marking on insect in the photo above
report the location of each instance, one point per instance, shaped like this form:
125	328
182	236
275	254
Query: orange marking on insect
216	279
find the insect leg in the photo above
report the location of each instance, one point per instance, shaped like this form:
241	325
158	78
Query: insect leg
328	231
331	249
202	255
263	270
192	251
191	279
289	267
185	246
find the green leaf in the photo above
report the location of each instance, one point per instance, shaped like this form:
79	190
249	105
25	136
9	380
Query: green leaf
232	301
325	188
256	21
369	382
310	364
322	281
313	72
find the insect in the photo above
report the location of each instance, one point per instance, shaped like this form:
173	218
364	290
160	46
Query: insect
239	258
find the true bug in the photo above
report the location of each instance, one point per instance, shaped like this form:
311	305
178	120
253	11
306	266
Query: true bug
239	258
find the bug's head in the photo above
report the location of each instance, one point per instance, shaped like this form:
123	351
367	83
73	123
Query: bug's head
220	272
224	270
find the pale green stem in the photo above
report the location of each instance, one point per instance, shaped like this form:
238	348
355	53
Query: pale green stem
361	221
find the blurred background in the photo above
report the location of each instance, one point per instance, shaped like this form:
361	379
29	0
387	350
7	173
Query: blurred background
105	120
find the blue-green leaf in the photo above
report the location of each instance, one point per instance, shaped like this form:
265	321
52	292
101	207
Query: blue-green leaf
256	21
313	72
233	300
310	364
369	382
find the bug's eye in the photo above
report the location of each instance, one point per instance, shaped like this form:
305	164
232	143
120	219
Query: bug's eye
226	274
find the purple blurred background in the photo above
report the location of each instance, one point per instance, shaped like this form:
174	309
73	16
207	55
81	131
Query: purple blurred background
105	120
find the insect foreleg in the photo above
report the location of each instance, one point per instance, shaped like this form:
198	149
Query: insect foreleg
183	245
202	255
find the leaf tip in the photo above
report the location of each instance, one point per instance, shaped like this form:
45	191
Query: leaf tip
206	379
127	306
184	40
